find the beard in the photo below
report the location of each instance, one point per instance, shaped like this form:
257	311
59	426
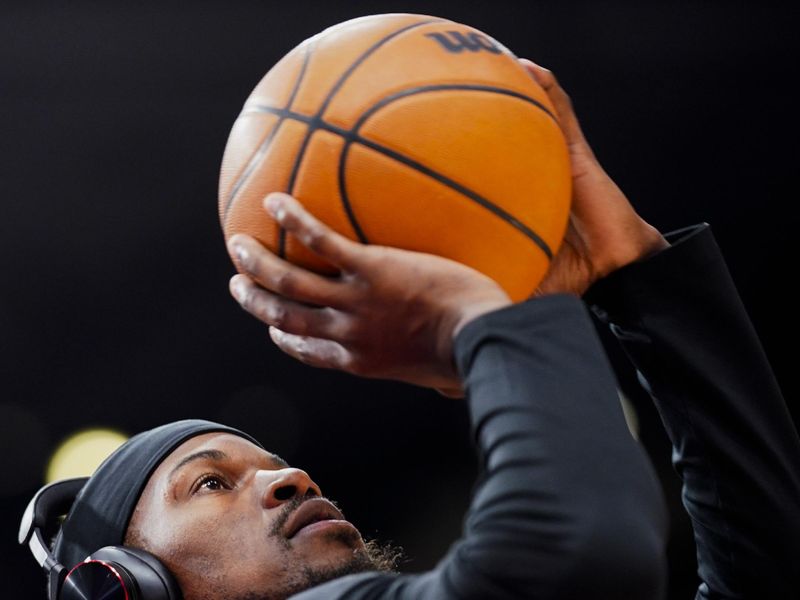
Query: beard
374	556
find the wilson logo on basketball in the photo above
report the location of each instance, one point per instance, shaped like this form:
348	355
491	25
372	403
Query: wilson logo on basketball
456	42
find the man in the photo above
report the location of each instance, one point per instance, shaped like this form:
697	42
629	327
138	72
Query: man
568	505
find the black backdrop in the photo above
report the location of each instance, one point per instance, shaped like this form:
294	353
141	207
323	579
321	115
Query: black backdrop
114	308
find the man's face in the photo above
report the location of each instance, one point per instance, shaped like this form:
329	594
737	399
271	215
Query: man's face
233	521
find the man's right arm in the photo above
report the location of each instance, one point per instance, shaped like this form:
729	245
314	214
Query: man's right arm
569	505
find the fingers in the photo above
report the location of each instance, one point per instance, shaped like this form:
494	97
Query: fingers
282	277
312	233
287	315
560	99
316	352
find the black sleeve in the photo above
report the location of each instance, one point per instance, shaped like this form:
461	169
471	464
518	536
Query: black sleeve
680	320
568	505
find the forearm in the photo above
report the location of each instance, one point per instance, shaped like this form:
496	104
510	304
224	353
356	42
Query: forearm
679	318
568	505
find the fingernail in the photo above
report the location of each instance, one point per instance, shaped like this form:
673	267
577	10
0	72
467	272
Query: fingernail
273	203
238	289
241	253
275	334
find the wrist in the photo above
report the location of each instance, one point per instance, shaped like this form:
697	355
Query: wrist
453	321
642	241
448	381
469	313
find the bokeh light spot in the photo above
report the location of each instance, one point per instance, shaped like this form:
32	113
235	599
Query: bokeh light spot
81	453
631	416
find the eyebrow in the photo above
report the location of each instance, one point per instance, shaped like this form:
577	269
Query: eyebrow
201	455
217	455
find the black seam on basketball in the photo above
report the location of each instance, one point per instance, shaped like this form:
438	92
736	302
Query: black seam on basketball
337	86
251	165
306	60
455	186
316	121
265	144
486	203
298	159
351	136
446	87
351	215
281	230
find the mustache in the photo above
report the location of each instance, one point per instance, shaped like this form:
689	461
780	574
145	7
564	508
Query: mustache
289	507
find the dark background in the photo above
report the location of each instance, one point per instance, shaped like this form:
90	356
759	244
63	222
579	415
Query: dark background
114	308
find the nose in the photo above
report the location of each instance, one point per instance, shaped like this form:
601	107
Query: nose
288	483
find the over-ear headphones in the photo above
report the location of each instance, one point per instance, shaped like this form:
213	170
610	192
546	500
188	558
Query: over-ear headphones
110	573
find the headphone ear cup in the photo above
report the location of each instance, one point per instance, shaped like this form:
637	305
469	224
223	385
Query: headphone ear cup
120	573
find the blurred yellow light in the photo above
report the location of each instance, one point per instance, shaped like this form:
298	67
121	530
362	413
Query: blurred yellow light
631	417
81	453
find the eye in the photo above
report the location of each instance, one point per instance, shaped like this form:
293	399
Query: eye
210	482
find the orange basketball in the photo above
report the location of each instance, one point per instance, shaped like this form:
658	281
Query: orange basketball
409	131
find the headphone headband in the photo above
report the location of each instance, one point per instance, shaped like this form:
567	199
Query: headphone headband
52	501
134	574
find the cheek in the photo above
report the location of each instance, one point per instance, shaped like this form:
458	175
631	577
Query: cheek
229	556
204	543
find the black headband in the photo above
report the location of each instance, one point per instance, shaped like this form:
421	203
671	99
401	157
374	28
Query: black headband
102	510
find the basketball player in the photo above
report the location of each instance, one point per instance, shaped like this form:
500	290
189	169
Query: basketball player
568	505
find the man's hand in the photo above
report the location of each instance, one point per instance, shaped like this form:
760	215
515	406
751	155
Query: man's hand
389	313
604	232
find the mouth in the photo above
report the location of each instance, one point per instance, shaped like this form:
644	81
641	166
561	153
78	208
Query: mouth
310	512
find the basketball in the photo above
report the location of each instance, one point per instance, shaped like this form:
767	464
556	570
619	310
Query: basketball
409	131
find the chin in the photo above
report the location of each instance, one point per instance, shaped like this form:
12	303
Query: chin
334	549
334	565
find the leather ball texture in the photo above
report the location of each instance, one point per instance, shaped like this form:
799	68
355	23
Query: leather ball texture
409	131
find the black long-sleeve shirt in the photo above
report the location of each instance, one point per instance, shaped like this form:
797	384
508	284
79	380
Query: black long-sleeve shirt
680	320
568	505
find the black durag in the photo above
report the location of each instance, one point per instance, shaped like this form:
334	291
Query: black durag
102	510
